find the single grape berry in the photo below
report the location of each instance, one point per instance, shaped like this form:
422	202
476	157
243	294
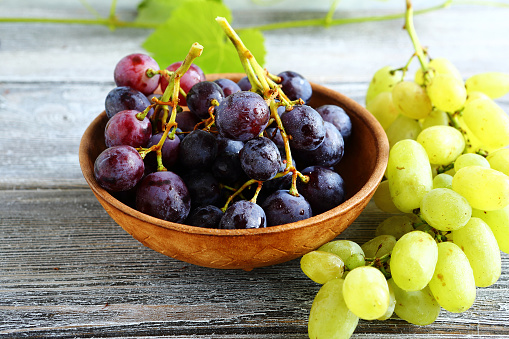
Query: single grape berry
329	153
169	151
260	158
164	195
242	116
124	128
198	150
227	168
228	86
305	126
131	71
243	214
193	76
338	117
205	216
295	86
186	121
118	168
244	84
282	208
200	97
125	98
203	187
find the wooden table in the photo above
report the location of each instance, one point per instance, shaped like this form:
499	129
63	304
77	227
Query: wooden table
67	270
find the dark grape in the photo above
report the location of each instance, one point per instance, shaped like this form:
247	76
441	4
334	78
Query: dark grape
282	208
126	98
228	145
186	121
338	117
200	96
260	158
295	86
164	195
325	189
205	216
228	86
226	167
118	168
305	126
124	128
274	134
203	188
169	151
244	84
198	150
329	153
131	71
242	116
243	214
193	75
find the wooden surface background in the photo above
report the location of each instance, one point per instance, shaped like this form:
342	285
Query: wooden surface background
67	270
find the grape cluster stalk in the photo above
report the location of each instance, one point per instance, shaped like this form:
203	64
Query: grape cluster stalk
447	186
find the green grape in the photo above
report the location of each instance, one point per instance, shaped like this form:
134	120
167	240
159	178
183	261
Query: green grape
397	225
445	209
472	143
415	307
484	188
321	266
499	223
438	66
443	144
355	260
409	174
493	84
475	95
488	122
329	317
447	93
402	128
378	246
382	107
411	100
392	304
413	260
342	248
470	159
442	180
480	246
383	80
435	118
382	198
499	160
453	284
366	292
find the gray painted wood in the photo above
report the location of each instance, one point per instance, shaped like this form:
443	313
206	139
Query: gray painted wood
67	270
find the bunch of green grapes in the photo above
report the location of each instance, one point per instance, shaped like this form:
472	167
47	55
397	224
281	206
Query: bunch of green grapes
447	183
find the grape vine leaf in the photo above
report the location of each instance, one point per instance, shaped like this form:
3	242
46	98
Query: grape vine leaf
158	11
194	21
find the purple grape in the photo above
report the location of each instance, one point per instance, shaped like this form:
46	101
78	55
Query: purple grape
338	117
242	116
260	159
329	153
325	189
243	214
186	121
170	150
124	128
244	84
226	167
203	188
118	168
198	150
295	86
205	216
228	86
282	208
164	195
228	145
274	134
131	71
200	96
305	126
193	76
126	98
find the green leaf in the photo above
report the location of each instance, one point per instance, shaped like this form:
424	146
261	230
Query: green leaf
194	21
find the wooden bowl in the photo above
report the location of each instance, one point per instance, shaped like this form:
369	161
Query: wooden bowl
362	169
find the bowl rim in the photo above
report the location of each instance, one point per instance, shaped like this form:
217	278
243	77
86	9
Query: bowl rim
381	144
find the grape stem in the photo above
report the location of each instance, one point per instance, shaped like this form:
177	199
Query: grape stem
409	26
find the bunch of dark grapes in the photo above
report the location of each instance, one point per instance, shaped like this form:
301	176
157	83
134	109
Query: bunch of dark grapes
220	154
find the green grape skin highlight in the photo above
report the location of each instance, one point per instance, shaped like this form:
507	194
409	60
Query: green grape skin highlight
366	292
378	246
453	284
442	180
481	248
413	260
397	225
342	248
409	174
321	266
415	307
470	159
383	80
383	109
498	221
443	144
445	209
484	188
382	198
499	160
329	317
403	128
411	100
493	84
